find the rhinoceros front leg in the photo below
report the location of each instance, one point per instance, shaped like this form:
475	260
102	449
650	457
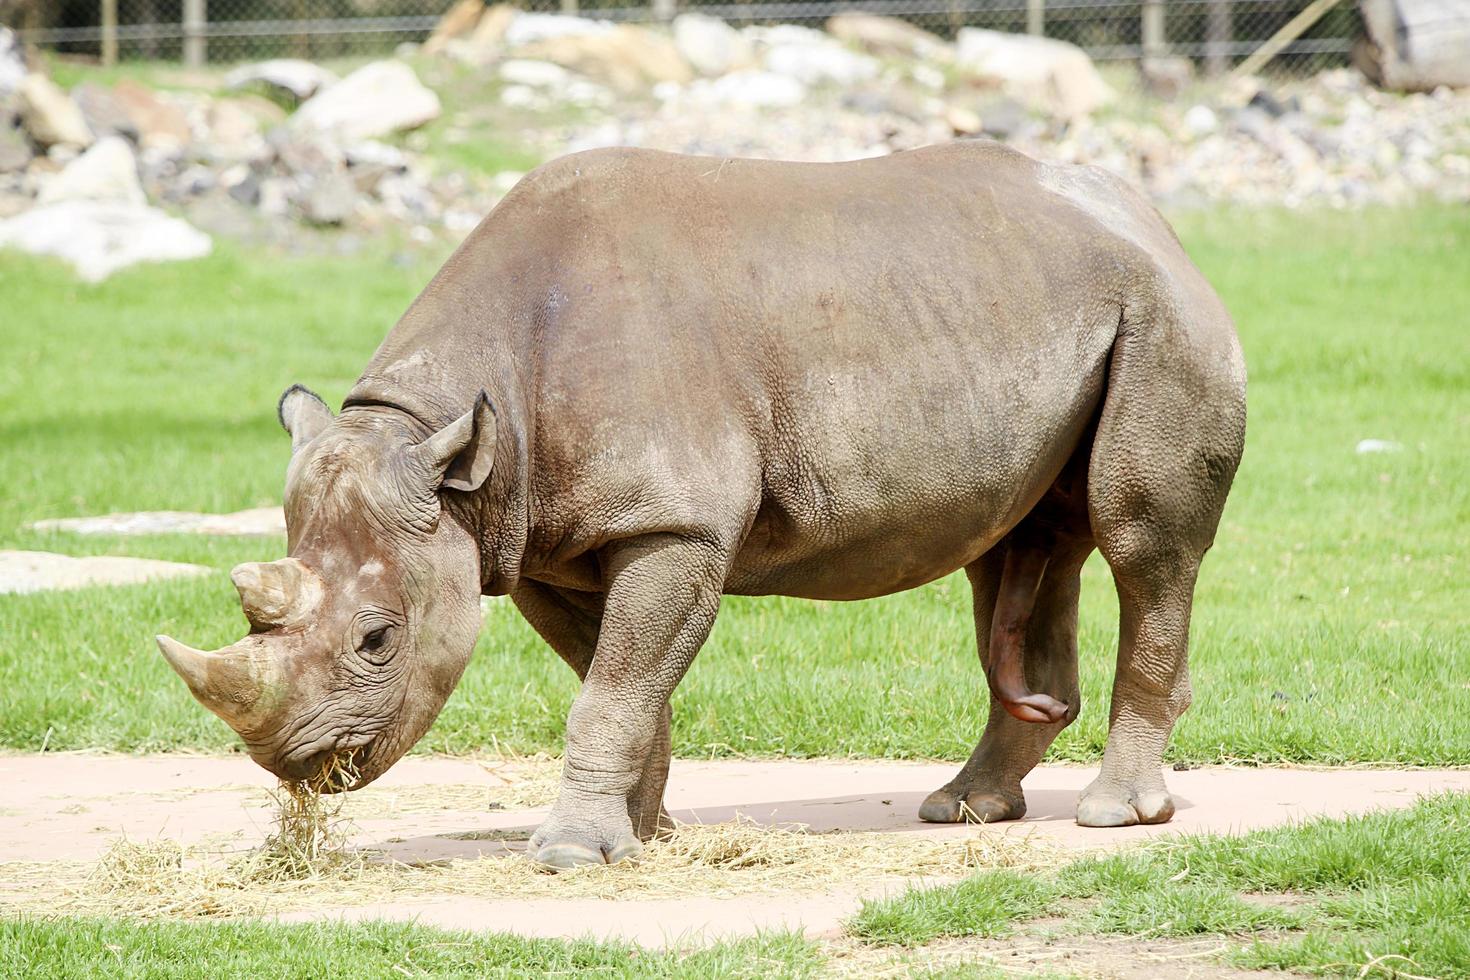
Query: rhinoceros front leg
569	621
661	603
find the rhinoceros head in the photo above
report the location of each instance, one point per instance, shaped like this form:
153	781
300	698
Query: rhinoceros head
357	639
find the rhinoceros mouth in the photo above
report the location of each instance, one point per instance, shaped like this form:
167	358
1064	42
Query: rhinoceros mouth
329	769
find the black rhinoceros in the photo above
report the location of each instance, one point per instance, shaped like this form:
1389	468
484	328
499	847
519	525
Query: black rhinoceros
649	380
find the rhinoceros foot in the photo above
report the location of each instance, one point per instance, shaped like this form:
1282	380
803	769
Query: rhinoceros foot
1110	804
977	806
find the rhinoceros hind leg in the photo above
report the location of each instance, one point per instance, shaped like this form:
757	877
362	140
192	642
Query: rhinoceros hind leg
988	786
1166	449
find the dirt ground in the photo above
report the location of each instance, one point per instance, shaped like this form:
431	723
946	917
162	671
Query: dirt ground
70	808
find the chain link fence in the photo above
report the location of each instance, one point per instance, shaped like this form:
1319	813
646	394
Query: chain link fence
1213	33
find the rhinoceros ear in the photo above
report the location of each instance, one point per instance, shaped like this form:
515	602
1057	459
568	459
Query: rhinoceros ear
303	414
459	455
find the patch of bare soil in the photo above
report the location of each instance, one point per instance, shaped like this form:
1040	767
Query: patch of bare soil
441	841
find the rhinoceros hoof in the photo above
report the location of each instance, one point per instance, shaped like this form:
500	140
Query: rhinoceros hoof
1106	808
562	855
944	806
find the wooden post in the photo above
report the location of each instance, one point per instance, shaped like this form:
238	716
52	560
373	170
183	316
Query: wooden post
569	7
194	43
662	9
1292	30
1218	34
1036	17
109	32
1154	44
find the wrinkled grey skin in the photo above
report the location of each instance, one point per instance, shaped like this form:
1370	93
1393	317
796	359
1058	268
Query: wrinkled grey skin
717	377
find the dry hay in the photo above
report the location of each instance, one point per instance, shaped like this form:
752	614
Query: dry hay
305	863
162	879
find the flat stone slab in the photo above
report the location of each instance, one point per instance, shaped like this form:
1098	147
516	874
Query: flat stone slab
259	520
73	806
42	571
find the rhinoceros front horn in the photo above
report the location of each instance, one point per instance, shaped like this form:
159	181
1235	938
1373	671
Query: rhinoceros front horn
237	683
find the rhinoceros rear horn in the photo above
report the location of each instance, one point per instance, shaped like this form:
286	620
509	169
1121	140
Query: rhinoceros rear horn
236	683
459	456
276	594
303	414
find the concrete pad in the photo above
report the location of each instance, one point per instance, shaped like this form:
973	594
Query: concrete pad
41	571
73	806
258	521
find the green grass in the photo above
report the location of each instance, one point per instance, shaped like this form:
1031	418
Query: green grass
1330	625
1383	884
984	904
65	949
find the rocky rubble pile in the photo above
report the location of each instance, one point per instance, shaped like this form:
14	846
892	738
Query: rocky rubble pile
870	85
82	173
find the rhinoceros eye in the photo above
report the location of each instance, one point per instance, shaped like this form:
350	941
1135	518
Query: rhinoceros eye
374	641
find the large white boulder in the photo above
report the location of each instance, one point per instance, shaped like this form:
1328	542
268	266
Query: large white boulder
377	99
750	90
889	37
810	57
712	46
1049	74
49	114
530	28
301	79
100	237
105	172
12	61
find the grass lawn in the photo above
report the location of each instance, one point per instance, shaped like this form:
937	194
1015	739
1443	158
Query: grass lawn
1331	624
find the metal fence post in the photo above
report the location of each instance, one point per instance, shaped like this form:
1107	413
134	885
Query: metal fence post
1036	17
1217	37
1154	44
109	32
194	43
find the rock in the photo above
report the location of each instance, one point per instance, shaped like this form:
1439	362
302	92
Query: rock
104	114
486	42
42	571
160	124
1051	75
100	237
106	172
889	37
1271	105
49	115
1199	121
1366	446
820	63
536	74
234	130
292	76
12	62
527	28
458	21
257	521
15	150
753	89
1166	78
626	58
1415	45
1003	119
710	45
964	122
330	200
380	98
